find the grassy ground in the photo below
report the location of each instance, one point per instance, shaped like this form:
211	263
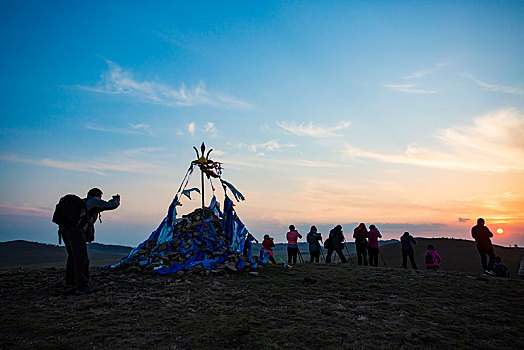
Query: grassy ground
311	306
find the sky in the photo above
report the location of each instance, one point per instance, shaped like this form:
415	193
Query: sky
404	114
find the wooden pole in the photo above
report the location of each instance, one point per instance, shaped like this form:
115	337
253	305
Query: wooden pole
202	178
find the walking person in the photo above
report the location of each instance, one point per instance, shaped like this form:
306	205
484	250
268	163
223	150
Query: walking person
360	233
373	248
432	258
336	238
482	236
76	238
407	242
292	244
314	238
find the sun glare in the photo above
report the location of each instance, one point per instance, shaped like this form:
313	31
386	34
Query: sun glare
500	231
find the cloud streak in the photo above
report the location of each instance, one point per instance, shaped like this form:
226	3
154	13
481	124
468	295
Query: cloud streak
117	81
311	130
270	146
497	87
6	209
88	166
494	142
133	129
408	88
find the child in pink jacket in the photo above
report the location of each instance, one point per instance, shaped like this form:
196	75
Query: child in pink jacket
432	258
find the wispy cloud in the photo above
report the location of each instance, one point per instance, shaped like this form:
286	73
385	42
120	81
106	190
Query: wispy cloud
141	151
311	130
409	88
413	88
497	87
118	81
142	127
270	146
463	220
6	209
191	128
210	129
493	142
132	129
101	167
422	73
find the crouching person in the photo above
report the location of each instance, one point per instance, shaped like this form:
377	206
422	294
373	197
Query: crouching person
76	236
432	258
266	250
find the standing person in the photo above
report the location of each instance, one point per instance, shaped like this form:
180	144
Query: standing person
432	258
373	236
292	244
314	238
361	234
407	250
75	238
482	236
336	238
267	246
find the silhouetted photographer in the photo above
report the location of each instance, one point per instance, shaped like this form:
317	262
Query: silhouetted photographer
76	219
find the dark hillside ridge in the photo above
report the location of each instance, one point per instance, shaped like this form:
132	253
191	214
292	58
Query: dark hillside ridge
457	254
15	254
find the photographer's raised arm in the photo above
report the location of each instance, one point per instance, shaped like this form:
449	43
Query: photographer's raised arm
101	204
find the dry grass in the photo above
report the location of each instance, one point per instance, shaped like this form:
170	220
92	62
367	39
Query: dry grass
310	306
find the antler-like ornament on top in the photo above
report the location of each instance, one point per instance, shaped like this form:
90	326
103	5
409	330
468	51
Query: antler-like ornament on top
206	165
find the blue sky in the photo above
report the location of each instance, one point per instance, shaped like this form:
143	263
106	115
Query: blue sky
409	115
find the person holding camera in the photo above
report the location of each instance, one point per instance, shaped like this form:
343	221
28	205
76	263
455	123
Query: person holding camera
314	238
76	237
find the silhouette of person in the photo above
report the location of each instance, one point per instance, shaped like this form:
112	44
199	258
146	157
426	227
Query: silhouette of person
361	243
314	238
482	236
292	244
374	250
75	238
407	242
336	237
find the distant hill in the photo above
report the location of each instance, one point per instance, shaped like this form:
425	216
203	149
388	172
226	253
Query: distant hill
15	254
457	254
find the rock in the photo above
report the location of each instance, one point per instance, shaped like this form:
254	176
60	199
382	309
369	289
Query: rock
230	267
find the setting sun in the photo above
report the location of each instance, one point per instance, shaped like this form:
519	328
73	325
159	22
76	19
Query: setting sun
500	231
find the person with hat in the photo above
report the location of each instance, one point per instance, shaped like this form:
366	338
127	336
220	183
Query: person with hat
314	238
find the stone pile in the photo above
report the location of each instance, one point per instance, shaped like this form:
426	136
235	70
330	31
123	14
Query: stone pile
198	244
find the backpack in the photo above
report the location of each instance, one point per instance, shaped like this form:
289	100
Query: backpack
430	260
327	243
67	212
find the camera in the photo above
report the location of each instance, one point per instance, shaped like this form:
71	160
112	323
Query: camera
116	196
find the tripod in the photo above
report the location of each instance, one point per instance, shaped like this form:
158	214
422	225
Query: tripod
322	253
300	258
349	255
383	261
